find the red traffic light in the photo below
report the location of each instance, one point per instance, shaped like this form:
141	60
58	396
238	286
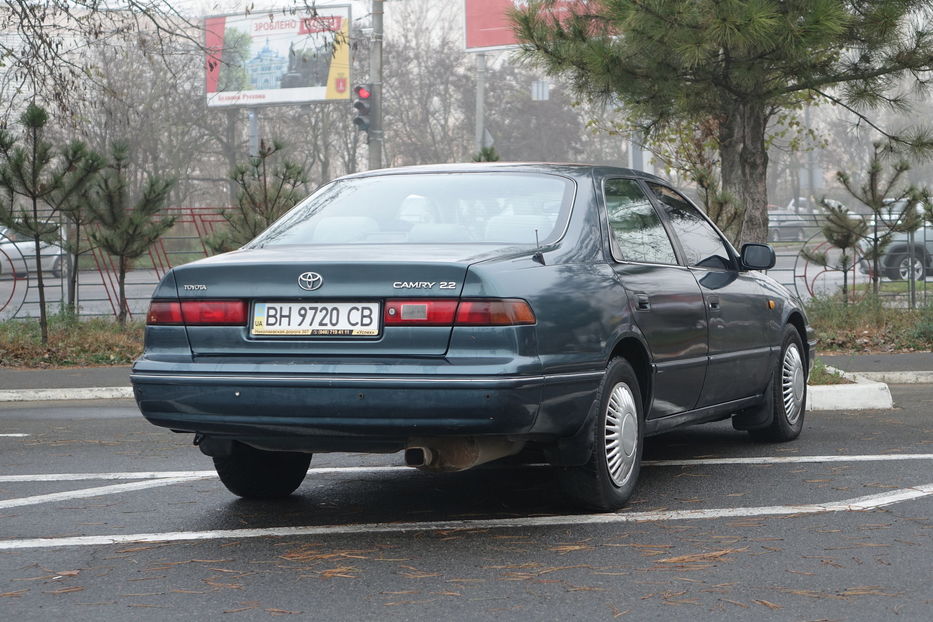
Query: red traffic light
362	92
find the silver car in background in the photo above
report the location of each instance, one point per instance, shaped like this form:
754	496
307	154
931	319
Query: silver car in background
18	255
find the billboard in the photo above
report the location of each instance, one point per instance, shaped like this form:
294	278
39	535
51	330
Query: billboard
488	26
277	58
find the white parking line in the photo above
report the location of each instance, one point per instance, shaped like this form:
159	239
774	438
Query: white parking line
67	477
13	435
789	459
856	504
92	492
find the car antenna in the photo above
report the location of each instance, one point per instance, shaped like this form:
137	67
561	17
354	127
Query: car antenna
538	256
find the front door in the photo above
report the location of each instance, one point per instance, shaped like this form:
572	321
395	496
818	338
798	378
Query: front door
736	305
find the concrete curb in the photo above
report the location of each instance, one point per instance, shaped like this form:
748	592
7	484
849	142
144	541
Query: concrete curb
864	394
898	377
42	395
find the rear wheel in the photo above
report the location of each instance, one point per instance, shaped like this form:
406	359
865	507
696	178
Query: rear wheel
788	392
898	268
608	478
256	474
904	270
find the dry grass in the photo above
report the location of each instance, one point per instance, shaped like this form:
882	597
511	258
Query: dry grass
870	326
821	375
72	342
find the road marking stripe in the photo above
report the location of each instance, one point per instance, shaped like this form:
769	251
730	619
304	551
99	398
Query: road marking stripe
856	504
14	435
788	459
66	477
92	492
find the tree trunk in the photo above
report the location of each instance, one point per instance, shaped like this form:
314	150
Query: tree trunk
73	272
121	317
43	313
744	157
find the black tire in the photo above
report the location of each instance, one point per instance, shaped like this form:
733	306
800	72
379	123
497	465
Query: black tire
897	267
920	270
788	399
256	474
594	485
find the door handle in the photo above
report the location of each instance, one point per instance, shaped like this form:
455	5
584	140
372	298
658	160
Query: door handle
643	304
713	302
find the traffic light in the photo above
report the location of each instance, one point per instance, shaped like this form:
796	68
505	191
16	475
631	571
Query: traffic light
362	104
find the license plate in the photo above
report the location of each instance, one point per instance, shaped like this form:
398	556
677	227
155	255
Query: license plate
317	319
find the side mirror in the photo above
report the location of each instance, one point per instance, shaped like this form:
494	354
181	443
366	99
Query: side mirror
757	257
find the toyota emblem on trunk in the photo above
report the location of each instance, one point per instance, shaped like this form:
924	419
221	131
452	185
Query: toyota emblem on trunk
310	281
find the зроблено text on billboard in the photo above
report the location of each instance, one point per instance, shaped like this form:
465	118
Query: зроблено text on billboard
276	58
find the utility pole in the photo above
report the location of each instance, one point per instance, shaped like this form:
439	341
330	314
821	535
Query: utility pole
480	101
375	77
253	115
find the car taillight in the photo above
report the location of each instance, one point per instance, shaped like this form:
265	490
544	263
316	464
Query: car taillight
162	312
505	312
213	312
420	312
478	312
198	312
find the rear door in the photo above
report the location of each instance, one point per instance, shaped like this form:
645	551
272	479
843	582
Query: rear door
666	301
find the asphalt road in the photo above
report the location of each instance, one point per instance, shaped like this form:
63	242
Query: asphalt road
748	531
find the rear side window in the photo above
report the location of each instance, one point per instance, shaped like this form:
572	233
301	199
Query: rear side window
635	224
436	208
701	243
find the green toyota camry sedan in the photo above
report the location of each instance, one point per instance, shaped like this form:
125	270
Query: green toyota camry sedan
466	313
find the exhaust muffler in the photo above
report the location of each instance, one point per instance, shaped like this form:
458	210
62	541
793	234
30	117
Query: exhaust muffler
458	454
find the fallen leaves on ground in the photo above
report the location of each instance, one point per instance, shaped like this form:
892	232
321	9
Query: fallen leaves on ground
700	557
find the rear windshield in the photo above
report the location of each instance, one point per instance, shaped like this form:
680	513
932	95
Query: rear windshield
438	208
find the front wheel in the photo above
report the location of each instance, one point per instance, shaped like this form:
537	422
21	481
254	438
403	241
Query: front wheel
606	481
256	474
788	393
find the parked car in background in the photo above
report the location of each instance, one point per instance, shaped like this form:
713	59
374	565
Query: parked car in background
18	255
465	313
787	226
896	260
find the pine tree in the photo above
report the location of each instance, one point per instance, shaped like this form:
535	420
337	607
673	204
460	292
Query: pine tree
76	212
882	187
486	154
266	190
739	64
843	232
127	227
38	180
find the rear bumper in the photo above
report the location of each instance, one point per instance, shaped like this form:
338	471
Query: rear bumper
330	412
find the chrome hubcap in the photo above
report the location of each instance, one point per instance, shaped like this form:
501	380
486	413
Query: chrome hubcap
793	383
621	434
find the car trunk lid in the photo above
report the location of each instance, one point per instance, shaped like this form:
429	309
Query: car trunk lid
343	281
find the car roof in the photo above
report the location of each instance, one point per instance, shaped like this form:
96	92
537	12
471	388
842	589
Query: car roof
568	169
